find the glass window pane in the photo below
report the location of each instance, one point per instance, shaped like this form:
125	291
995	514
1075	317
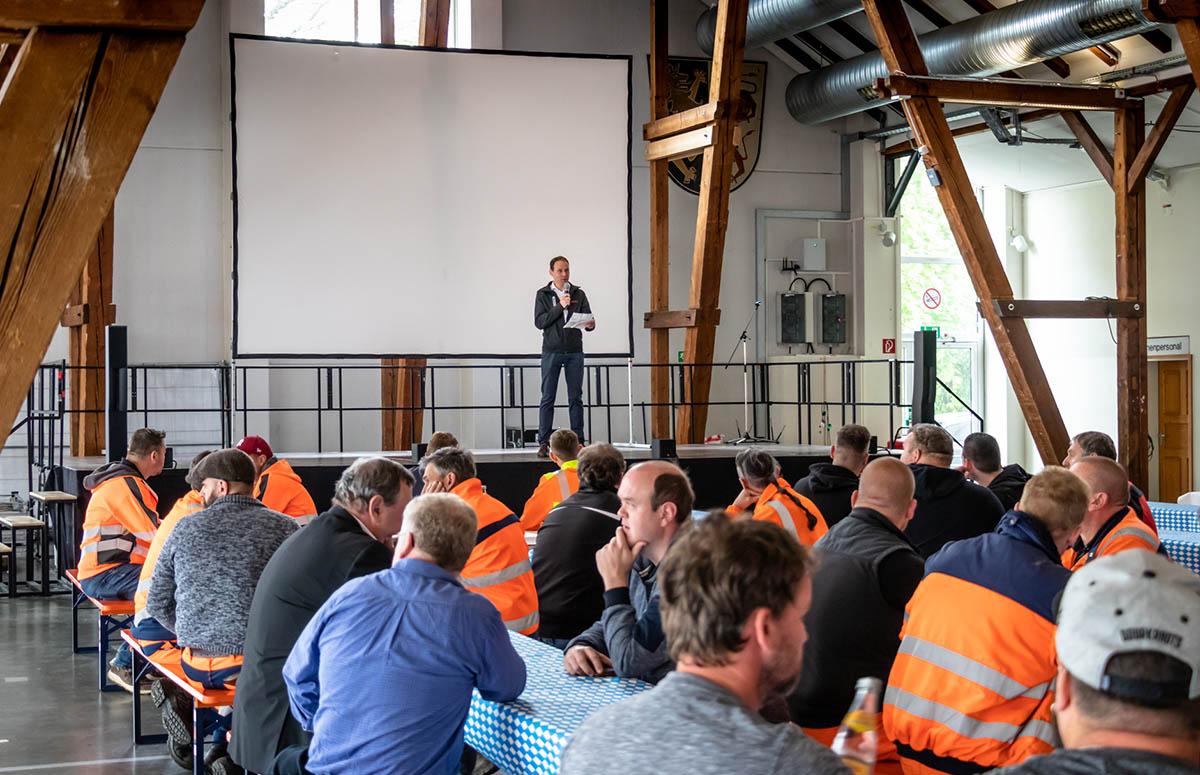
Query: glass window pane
938	295
924	230
408	22
316	19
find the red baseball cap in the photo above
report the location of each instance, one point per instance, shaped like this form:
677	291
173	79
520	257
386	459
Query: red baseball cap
255	445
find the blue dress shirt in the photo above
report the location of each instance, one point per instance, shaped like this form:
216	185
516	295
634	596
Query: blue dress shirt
382	675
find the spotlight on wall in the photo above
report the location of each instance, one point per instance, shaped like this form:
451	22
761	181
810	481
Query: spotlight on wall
888	238
1019	243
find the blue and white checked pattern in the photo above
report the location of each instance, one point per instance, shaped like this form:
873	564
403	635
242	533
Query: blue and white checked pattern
526	737
1174	516
1183	546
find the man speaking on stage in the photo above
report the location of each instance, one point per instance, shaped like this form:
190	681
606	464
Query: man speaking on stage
554	307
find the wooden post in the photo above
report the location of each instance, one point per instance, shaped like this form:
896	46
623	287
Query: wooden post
660	279
400	380
898	44
711	219
387	21
1133	424
66	149
91	309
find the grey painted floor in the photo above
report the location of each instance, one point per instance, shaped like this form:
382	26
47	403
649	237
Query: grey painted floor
52	718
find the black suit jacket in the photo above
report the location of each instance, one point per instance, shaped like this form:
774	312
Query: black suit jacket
306	569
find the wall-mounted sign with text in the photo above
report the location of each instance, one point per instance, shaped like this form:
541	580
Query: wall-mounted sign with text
1167	346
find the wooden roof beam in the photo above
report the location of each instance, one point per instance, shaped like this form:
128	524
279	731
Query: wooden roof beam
158	15
1158	135
1001	93
1092	145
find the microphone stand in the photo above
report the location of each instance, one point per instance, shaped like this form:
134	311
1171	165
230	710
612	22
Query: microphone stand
746	437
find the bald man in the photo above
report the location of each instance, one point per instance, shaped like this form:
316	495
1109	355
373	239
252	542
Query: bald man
868	566
656	500
1110	526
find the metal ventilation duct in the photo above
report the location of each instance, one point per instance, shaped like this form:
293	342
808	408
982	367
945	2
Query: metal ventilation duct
1014	36
770	20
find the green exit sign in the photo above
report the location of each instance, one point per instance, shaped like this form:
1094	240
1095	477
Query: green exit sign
937	330
680	356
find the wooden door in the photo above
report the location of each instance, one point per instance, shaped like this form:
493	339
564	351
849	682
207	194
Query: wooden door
1174	429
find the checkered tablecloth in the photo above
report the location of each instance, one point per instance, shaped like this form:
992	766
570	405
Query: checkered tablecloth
1174	516
1183	546
527	736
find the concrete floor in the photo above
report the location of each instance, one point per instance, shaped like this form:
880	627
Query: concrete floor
52	718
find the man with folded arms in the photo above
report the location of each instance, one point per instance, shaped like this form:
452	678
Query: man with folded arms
734	595
382	675
1128	696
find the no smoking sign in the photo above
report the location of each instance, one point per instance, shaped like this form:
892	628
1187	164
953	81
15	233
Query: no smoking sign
931	298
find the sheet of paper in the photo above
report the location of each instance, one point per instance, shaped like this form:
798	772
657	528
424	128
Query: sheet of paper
579	320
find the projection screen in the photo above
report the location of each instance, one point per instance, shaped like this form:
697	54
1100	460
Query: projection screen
400	201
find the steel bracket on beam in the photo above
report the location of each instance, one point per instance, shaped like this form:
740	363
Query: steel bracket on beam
1089	308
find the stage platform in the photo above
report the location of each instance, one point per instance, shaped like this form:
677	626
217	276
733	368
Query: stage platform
509	474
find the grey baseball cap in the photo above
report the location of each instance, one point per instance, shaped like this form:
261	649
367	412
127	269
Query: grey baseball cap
1131	601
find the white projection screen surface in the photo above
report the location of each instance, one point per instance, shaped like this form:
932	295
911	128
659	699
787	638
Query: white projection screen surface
396	201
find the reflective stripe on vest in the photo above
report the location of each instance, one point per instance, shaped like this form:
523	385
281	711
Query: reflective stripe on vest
1132	530
137	496
966	726
564	487
785	517
970	670
499	577
517	625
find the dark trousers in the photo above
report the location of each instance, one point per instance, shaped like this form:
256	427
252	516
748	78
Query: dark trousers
552	364
119	583
291	761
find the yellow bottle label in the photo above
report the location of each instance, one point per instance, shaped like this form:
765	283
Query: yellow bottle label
860	721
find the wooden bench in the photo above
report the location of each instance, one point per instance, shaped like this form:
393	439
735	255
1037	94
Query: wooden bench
200	700
114	615
35	534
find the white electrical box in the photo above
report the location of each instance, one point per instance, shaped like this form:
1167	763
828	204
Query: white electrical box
813	259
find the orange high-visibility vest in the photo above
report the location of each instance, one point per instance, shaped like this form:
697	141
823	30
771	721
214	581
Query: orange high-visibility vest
973	680
118	526
1116	535
774	505
553	488
190	503
280	489
499	567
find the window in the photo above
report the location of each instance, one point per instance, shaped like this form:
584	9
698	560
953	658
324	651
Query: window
358	20
936	291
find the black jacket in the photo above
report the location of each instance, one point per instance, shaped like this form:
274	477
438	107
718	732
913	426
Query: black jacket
302	574
1009	484
549	317
866	573
829	486
570	590
949	508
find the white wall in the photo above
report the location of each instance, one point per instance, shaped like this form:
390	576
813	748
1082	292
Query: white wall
1072	254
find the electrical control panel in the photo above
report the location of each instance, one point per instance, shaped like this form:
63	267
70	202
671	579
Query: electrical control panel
797	322
833	318
814	259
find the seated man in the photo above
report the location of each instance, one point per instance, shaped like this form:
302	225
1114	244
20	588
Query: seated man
981	464
117	530
1101	444
830	485
157	642
365	677
656	500
949	508
570	590
972	684
348	541
499	567
1110	525
204	581
734	595
278	486
867	566
1128	696
555	487
437	440
769	498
